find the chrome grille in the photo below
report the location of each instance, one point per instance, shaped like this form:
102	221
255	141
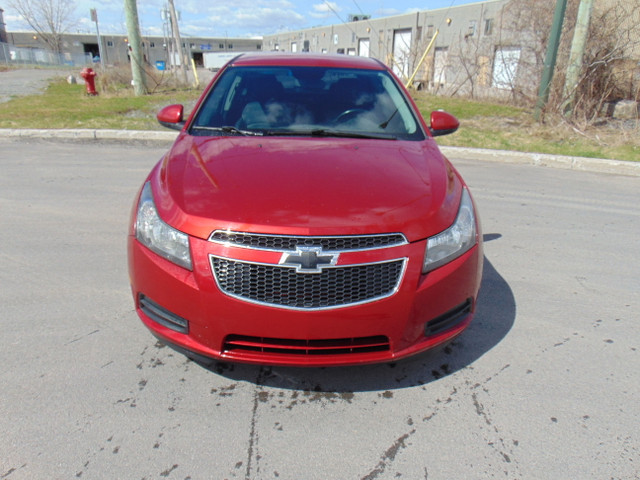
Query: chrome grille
285	242
282	286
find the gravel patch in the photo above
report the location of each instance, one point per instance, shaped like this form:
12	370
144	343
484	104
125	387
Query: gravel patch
15	83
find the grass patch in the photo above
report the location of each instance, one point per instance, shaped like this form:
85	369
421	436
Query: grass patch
483	124
65	105
465	109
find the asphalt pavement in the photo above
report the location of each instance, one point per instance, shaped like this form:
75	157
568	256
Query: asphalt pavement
543	384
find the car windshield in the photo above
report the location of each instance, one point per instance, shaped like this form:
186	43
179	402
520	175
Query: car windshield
317	101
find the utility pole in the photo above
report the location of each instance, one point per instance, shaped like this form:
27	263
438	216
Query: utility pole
578	45
176	36
166	35
550	59
135	47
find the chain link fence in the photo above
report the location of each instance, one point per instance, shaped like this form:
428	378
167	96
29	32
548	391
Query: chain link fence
12	55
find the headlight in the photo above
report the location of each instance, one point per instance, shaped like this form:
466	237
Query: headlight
455	240
156	235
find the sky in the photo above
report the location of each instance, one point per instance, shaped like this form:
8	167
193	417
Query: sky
231	18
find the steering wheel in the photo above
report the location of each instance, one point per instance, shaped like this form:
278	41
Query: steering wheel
349	114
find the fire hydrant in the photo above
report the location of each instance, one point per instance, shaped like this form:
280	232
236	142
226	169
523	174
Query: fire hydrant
89	80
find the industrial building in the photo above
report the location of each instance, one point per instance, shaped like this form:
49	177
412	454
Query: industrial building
115	48
467	33
491	48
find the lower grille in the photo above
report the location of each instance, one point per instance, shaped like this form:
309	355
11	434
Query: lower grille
284	287
345	346
449	319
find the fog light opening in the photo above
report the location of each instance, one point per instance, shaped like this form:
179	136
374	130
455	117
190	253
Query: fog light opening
449	319
162	316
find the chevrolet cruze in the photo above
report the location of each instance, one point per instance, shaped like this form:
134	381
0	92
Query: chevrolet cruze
304	216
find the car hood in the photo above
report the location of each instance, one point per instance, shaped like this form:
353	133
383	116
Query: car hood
303	186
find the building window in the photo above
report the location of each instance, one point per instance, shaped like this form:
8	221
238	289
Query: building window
430	31
109	43
472	28
221	46
230	46
152	44
258	47
488	26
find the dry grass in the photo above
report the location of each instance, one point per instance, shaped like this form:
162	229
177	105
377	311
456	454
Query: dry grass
117	81
504	127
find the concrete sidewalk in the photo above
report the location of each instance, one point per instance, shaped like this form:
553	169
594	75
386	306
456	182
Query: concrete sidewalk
598	165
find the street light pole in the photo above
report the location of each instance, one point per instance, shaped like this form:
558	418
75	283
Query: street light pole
103	58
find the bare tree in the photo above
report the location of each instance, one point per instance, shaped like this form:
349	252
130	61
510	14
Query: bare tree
50	19
504	64
472	54
610	66
526	25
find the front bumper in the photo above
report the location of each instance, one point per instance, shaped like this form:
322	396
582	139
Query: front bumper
188	310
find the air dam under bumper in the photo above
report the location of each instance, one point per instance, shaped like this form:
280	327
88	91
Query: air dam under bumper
229	329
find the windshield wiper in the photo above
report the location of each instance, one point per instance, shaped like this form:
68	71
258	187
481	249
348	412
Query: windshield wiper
228	129
326	132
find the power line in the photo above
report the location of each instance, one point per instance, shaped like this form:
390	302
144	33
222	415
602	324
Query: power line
339	17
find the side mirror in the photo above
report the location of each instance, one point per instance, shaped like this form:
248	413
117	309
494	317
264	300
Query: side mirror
171	117
443	123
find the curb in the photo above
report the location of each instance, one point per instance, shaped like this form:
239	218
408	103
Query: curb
595	165
122	136
584	164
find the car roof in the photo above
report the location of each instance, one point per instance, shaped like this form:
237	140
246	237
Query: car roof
306	60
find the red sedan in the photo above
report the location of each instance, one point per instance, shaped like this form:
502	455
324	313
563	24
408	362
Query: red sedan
304	216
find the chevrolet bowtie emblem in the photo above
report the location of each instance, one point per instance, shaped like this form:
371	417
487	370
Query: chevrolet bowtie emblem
309	259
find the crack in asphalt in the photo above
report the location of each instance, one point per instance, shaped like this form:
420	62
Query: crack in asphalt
254	437
389	456
497	445
493	436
